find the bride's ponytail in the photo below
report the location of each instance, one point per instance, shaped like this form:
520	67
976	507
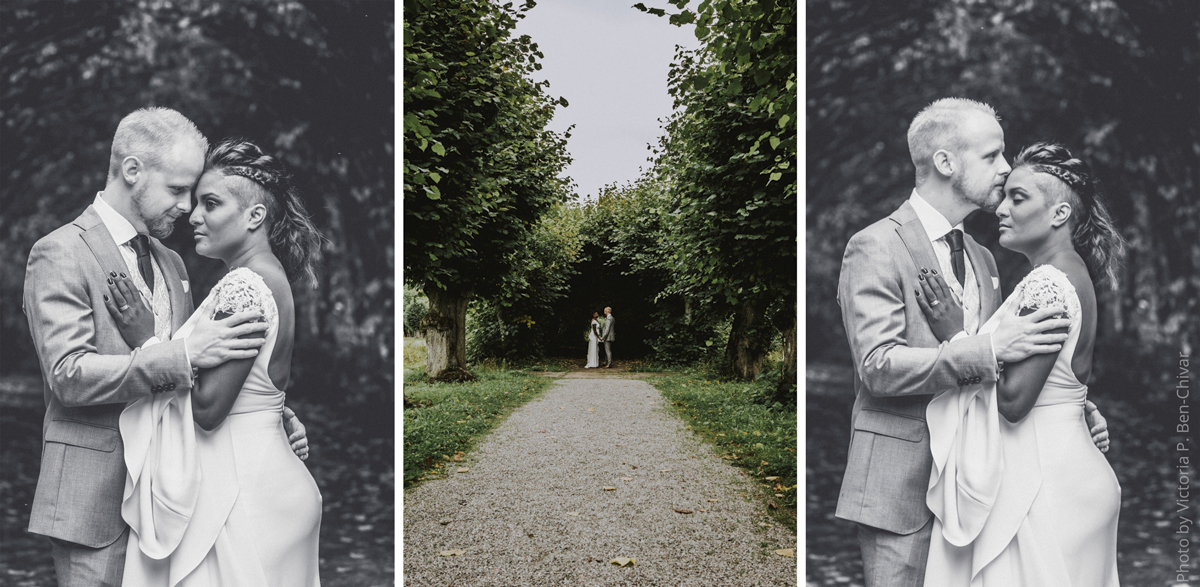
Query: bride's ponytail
1093	233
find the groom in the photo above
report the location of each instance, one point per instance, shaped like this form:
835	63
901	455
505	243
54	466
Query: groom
89	373
608	336
957	147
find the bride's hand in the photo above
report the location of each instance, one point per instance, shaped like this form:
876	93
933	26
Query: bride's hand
942	309
134	320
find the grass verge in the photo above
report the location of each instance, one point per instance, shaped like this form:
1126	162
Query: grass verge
757	437
453	416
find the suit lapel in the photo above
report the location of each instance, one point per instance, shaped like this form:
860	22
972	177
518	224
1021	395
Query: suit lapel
915	239
173	282
101	242
988	296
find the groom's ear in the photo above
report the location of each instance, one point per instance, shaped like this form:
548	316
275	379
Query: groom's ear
943	162
131	169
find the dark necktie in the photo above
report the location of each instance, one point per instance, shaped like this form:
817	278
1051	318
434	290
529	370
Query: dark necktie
141	246
955	238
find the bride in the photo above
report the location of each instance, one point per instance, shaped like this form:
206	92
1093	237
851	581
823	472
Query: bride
224	502
1021	495
593	358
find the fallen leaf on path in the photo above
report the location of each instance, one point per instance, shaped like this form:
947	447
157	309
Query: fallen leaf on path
786	552
541	431
634	466
664	470
463	470
457	458
572	513
702	510
452	552
591	409
770	478
627	478
624	562
679	511
609	488
778	495
712	501
620	445
764	524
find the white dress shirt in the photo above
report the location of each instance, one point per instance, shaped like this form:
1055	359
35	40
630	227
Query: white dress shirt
937	227
158	301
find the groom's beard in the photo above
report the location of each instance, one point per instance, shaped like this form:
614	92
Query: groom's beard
988	201
159	227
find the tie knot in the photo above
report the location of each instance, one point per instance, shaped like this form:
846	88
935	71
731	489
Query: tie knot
141	245
955	238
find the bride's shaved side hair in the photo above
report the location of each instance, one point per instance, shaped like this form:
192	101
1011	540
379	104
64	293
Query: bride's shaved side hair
936	127
148	133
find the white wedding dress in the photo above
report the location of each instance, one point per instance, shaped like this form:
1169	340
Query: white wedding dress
227	508
1029	504
593	359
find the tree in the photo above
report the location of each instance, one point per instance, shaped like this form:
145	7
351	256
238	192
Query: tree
479	166
728	155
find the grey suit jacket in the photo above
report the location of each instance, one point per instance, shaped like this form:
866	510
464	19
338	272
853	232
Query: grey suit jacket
610	329
898	364
89	374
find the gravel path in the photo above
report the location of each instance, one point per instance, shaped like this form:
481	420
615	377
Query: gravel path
532	510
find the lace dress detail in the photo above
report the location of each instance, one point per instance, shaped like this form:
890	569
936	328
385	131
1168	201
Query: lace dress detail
1048	286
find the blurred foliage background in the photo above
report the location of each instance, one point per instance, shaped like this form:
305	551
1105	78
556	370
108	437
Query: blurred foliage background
311	81
1118	82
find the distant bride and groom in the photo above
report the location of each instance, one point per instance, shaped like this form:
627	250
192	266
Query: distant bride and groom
598	333
168	455
975	457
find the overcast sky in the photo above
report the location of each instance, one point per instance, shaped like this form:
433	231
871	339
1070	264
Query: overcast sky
610	61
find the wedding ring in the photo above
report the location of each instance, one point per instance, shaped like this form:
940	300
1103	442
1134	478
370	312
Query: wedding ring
123	308
934	303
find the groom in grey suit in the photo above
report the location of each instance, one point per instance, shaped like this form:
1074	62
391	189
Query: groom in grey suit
608	336
89	372
957	147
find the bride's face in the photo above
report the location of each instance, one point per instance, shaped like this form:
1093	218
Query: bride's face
219	221
1030	212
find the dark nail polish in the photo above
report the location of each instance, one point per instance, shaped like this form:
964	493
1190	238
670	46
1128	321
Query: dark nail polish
935	271
123	276
918	293
112	273
921	277
106	297
924	270
110	281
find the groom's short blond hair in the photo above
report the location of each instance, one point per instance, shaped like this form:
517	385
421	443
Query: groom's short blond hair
939	126
150	133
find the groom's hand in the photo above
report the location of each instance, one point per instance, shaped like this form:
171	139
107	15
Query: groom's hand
297	434
1097	425
1018	337
213	342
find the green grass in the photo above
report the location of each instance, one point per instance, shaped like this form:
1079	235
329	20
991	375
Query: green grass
758	438
453	416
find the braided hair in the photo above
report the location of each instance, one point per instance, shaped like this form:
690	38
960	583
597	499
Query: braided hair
1093	234
293	237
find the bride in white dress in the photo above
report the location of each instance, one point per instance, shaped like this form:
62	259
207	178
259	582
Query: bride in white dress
214	495
593	358
1021	495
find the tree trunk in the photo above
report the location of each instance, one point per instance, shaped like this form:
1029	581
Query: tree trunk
446	335
747	341
785	392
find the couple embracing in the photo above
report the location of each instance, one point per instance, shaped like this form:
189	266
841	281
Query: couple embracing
975	457
597	334
168	455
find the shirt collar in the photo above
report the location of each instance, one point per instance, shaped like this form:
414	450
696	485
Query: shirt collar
121	229
936	226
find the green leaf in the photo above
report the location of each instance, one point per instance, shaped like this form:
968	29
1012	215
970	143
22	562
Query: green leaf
439	149
774	144
435	176
783	120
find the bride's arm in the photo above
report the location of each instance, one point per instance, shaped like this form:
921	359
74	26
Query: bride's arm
217	388
1018	387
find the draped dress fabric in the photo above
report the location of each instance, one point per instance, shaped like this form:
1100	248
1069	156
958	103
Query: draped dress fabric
1026	504
227	508
593	358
